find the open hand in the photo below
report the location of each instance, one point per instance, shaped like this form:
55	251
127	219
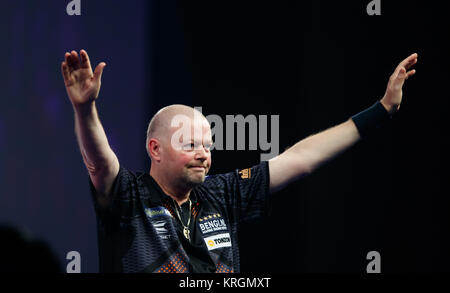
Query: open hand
82	85
393	95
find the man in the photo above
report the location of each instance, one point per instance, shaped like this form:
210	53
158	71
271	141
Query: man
175	218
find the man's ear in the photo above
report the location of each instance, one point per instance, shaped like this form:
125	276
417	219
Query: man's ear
154	149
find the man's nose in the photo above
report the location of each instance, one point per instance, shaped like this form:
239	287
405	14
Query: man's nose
201	154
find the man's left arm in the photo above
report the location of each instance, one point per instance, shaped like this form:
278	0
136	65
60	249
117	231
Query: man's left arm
310	153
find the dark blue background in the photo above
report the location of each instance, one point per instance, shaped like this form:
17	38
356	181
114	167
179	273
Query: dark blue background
314	63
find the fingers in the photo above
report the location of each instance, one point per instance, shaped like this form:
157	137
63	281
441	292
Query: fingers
402	74
401	70
75	60
72	60
85	62
410	73
66	58
66	61
399	78
65	71
99	71
414	61
409	61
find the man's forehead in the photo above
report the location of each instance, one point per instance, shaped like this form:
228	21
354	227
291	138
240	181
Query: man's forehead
183	128
181	120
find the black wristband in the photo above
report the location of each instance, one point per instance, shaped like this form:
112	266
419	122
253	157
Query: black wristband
371	119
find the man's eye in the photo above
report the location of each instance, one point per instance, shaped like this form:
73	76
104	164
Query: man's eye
189	146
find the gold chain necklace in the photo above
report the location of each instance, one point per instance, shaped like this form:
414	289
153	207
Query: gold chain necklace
186	231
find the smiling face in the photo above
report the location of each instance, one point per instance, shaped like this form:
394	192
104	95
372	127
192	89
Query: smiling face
187	156
179	146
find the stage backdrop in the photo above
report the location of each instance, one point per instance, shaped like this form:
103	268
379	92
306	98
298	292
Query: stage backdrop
313	63
44	184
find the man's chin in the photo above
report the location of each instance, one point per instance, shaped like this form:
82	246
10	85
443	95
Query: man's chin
198	180
195	180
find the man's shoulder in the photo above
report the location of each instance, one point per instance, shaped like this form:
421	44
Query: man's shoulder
137	175
128	180
240	174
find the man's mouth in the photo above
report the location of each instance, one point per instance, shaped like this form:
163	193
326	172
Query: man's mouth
199	168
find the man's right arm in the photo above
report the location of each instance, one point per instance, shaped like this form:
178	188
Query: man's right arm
83	87
98	157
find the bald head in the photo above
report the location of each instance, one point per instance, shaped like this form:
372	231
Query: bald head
179	141
162	126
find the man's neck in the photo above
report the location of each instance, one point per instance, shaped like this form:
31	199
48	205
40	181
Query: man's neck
177	194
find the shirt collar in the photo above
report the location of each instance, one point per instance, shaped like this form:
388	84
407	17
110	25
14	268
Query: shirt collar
157	195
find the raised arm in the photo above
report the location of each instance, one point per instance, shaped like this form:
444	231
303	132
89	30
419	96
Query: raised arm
83	87
310	153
